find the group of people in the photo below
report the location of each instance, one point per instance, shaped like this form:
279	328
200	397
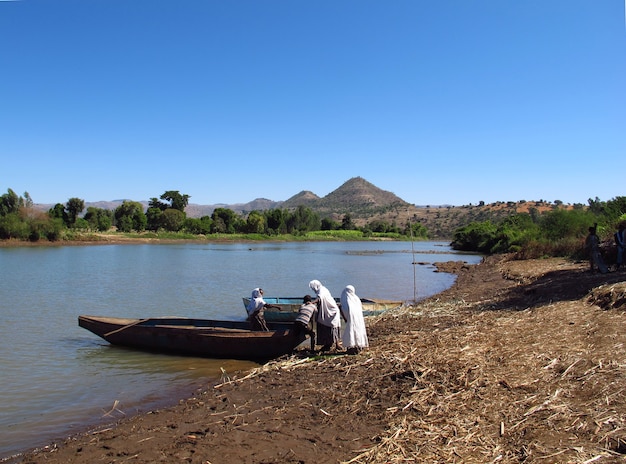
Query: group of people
592	245
326	312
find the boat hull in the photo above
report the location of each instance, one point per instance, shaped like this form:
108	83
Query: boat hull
196	337
291	305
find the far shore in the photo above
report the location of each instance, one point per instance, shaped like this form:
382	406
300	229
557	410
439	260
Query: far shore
118	239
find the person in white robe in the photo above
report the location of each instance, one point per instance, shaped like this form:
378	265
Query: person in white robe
328	317
256	310
354	335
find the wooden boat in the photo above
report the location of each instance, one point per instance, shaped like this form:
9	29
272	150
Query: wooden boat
291	305
197	337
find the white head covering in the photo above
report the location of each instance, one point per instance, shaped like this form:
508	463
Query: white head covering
328	313
350	301
256	301
315	285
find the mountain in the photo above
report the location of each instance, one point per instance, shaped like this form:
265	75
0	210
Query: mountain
259	204
304	198
367	203
357	197
357	192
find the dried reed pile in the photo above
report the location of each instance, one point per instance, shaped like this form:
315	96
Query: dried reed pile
459	382
471	381
541	385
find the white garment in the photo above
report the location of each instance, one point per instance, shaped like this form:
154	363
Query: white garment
328	313
256	302
354	334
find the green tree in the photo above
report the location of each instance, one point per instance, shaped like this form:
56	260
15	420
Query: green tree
329	224
224	221
153	218
255	223
43	226
476	236
172	220
416	230
9	203
513	232
614	209
378	226
303	220
74	207
201	226
28	201
11	226
560	223
130	216
174	199
275	221
58	212
99	219
596	206
346	222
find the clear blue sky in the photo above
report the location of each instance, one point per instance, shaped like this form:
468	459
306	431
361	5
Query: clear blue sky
438	101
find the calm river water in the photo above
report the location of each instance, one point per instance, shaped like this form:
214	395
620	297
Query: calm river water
58	379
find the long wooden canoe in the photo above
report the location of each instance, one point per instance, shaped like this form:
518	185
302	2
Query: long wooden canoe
290	306
197	337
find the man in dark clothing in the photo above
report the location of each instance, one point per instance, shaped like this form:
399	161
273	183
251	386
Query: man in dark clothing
620	240
303	320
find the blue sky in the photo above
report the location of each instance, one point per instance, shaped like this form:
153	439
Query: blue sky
438	101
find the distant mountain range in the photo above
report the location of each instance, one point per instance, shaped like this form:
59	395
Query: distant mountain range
356	196
367	203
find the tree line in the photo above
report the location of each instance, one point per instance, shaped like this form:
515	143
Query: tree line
19	220
558	232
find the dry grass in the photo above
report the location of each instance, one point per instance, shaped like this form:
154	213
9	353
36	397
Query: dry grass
461	382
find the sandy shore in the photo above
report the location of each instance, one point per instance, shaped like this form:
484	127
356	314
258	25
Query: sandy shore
520	361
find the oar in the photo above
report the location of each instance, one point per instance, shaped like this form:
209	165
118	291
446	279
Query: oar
126	327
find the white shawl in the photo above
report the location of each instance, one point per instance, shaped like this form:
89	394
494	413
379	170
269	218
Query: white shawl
354	333
256	302
328	313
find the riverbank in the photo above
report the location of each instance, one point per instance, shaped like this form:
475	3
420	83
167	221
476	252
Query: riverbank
120	238
520	361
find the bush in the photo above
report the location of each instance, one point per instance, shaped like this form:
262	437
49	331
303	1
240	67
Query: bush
11	226
542	248
476	236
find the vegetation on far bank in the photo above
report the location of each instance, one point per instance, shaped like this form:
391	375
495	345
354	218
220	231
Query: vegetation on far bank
165	219
556	231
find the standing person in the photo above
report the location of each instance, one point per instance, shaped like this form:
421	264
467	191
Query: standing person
256	307
354	336
592	244
304	318
619	242
328	317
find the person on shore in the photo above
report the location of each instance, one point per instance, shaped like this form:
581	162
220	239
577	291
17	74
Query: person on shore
354	335
328	317
304	319
592	245
256	310
619	243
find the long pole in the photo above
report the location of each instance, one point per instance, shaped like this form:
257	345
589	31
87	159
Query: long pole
413	261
